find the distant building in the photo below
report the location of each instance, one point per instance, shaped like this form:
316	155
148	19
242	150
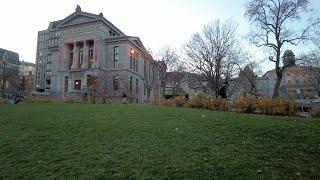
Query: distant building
26	74
297	81
85	53
184	84
9	68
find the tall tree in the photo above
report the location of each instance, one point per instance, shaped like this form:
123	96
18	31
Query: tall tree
170	57
214	52
248	78
273	25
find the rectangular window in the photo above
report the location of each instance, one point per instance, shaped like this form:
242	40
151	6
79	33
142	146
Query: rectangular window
130	84
49	66
137	63
131	58
134	62
116	57
49	57
92	81
70	60
80	58
77	84
145	67
116	64
137	85
90	58
116	49
116	83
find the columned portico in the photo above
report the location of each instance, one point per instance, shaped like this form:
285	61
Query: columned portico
93	57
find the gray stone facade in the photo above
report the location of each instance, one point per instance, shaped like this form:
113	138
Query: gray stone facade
9	70
85	53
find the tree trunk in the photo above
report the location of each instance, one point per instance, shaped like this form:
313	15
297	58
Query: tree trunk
276	92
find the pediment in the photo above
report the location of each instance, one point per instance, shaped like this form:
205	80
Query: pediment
76	19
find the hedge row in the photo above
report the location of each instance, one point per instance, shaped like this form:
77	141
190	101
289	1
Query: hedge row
243	104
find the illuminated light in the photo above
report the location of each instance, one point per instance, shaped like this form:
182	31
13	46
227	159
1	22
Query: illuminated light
132	51
77	83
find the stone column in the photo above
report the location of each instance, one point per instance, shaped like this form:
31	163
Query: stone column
95	54
65	57
84	81
70	84
76	55
85	55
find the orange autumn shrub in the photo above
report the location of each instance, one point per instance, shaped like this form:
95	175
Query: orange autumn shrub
179	101
263	105
245	103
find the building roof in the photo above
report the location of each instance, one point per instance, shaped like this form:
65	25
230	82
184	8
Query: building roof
12	57
24	63
89	17
194	80
134	40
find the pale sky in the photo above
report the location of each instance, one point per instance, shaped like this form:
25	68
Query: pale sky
156	22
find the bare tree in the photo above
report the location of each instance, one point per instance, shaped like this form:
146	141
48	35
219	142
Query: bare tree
8	76
213	53
153	77
248	78
273	26
170	57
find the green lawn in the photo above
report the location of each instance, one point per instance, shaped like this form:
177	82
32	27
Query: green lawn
153	142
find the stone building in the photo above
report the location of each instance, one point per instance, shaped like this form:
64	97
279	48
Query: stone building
86	53
297	81
9	68
26	74
184	84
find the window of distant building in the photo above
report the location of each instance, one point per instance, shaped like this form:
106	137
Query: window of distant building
136	59
70	60
137	85
92	81
80	58
90	58
49	66
66	80
49	57
77	84
130	86
116	83
111	33
90	53
116	56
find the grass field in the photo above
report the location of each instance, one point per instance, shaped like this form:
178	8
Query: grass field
153	142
